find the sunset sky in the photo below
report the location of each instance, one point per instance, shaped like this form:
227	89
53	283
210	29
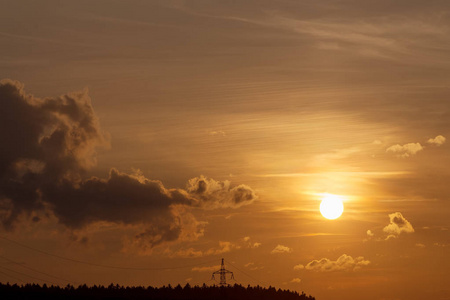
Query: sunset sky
165	135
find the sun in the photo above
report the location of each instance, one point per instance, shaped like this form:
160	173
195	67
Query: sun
331	206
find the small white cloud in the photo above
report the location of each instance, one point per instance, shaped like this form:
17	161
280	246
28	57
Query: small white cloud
343	263
299	267
281	249
405	150
370	233
438	141
296	280
397	225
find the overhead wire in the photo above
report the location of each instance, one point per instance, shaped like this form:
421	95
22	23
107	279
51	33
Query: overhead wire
248	275
20	273
8	275
37	271
102	265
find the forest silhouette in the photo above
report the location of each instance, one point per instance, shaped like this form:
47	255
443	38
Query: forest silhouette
188	292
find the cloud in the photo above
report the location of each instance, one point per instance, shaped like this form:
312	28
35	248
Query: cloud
190	252
219	132
411	149
224	247
296	280
343	263
214	194
299	267
437	141
281	249
405	150
51	145
206	269
250	244
370	233
397	225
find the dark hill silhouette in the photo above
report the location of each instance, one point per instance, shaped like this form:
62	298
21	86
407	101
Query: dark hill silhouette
236	292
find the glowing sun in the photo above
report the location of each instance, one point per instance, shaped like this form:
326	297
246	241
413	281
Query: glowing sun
331	207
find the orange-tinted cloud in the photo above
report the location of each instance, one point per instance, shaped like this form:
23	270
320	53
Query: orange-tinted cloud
438	141
343	263
405	150
51	144
281	249
397	225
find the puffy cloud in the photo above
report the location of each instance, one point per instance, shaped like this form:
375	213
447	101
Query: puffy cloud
397	225
281	249
369	233
49	141
299	267
214	194
48	147
438	141
405	150
343	263
296	280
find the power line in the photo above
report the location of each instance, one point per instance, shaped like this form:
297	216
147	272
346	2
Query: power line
12	276
20	273
34	270
103	266
256	280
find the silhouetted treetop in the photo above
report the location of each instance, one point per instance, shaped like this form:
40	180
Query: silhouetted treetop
115	291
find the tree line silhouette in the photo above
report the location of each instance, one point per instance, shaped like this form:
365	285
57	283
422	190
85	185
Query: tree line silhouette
116	292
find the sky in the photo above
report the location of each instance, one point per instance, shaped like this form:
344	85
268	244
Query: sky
142	141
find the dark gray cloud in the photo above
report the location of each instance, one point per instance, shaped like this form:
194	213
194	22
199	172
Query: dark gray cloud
44	142
47	147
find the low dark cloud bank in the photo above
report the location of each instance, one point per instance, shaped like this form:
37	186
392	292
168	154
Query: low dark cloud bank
47	147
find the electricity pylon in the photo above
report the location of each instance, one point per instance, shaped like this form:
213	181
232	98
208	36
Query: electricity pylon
222	272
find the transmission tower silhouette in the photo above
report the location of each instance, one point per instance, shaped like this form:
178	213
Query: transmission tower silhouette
222	272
